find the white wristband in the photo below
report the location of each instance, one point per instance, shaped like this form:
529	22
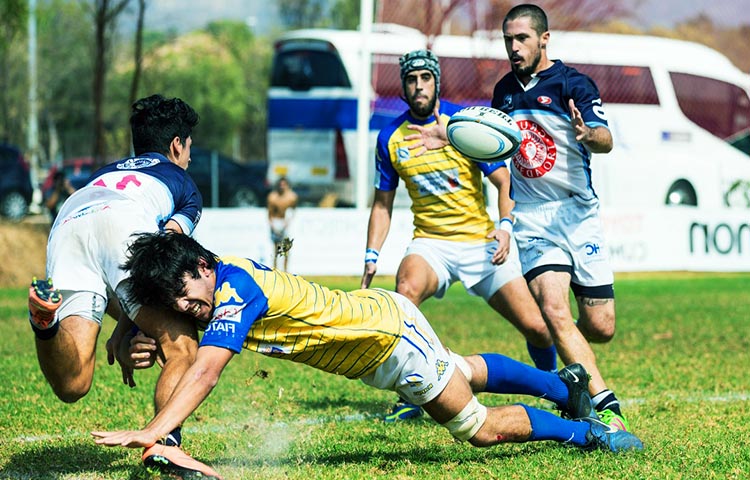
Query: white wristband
506	225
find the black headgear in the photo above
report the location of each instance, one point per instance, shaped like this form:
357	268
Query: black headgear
420	60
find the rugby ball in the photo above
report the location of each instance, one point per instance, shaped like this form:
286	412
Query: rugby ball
483	134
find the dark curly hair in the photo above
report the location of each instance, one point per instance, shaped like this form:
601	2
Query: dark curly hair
155	121
157	264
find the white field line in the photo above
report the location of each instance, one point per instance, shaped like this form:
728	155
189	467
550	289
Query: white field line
358	417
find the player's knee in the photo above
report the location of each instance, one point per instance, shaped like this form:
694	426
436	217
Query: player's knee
598	330
71	391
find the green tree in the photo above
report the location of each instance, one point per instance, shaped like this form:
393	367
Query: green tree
253	56
204	73
13	69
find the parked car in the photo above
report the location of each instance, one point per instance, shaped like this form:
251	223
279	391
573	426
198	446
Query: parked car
16	188
77	171
238	185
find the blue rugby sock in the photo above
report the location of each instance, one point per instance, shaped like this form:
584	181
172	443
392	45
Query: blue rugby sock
544	358
546	426
505	375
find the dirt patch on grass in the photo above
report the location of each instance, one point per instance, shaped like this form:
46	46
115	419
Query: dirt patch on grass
24	249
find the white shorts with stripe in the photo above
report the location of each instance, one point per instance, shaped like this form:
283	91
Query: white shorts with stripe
566	232
420	367
471	263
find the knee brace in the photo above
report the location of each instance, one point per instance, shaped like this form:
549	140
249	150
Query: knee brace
468	422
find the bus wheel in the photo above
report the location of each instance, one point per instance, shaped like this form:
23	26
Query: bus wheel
681	193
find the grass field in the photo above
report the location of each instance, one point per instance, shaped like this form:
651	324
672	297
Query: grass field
679	362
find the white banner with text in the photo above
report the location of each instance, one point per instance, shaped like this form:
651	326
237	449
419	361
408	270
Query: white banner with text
332	241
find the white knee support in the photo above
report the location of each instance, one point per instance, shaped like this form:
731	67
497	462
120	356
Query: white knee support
467	423
462	365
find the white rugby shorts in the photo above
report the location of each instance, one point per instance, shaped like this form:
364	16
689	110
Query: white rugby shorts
84	253
566	232
471	263
420	367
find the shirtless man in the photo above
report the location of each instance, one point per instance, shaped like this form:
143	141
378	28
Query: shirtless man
281	204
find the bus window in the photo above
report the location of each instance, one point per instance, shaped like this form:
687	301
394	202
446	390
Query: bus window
308	67
719	107
622	83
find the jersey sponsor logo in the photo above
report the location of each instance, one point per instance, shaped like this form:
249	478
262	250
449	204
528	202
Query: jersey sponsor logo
543	99
402	154
270	348
538	152
424	390
436	183
226	293
229	313
137	163
224	327
591	249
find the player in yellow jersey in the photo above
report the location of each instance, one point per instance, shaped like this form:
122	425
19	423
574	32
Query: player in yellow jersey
375	336
454	237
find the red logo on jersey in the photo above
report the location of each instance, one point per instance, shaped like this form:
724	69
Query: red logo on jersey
538	152
544	100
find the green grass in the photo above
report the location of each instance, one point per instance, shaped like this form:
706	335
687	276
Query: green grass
679	362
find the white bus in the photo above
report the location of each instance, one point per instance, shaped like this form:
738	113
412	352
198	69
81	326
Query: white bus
679	111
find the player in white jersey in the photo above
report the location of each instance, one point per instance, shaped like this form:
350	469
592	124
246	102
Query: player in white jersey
87	244
557	225
375	336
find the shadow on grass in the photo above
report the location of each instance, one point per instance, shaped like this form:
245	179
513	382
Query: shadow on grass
44	462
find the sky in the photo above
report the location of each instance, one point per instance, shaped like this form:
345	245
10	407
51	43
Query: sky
263	17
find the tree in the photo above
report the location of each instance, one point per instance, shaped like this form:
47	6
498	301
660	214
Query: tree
13	19
105	14
302	13
138	54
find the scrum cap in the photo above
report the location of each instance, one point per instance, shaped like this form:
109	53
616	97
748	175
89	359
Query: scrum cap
420	60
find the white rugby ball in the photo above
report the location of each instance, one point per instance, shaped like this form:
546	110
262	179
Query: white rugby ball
484	134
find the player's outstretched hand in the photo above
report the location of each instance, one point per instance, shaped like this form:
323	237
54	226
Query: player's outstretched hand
370	269
431	138
576	121
125	438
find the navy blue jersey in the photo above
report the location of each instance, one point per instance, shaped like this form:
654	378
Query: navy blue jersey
158	186
551	164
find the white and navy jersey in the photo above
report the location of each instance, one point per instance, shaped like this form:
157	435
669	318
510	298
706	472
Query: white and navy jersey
551	164
445	187
158	187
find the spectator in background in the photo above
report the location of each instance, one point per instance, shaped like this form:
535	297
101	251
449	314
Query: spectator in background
61	190
281	203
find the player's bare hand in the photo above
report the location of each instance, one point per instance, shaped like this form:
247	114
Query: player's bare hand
576	121
370	269
429	138
116	352
143	351
503	246
125	438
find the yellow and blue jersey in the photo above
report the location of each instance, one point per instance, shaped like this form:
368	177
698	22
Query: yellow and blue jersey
445	187
283	315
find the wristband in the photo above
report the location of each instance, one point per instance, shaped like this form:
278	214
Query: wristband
506	225
371	255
